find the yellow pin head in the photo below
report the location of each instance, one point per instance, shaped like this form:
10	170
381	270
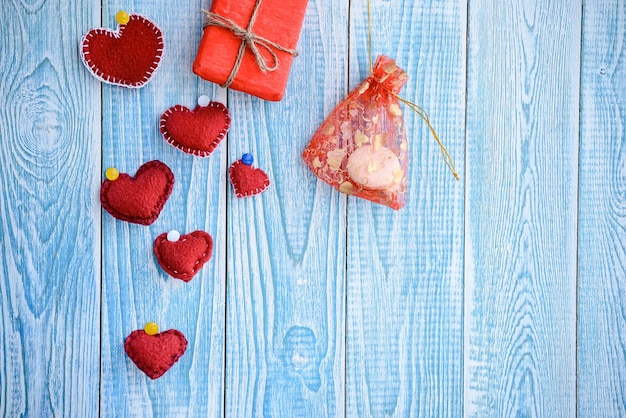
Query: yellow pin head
151	328
122	17
112	173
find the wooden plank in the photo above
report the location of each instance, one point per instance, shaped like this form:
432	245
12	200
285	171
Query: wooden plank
286	247
521	206
49	216
602	214
405	269
135	289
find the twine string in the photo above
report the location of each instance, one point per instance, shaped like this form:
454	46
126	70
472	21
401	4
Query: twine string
414	107
248	40
422	114
369	34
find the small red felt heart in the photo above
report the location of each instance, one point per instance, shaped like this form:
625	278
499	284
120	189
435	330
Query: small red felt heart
127	57
182	259
141	198
155	354
197	131
247	180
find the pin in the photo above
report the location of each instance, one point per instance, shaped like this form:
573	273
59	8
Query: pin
173	236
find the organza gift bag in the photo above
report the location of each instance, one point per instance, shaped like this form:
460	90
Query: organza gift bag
361	148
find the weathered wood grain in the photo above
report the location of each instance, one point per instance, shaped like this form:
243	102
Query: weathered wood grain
521	208
405	269
135	289
461	304
49	216
602	213
286	247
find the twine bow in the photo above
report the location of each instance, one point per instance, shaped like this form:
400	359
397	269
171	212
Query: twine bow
248	40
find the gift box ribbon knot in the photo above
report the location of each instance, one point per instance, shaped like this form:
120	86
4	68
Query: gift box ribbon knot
248	40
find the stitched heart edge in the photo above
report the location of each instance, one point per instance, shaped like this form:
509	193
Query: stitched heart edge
199	263
194	151
254	192
94	70
155	373
160	203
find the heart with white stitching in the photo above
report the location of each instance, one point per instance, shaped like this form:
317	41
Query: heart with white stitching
197	131
247	180
126	57
184	257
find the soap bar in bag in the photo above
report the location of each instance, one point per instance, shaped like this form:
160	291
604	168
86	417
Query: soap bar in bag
361	148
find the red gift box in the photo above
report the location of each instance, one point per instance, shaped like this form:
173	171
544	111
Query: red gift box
258	55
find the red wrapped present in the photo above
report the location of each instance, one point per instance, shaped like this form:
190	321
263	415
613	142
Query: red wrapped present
249	45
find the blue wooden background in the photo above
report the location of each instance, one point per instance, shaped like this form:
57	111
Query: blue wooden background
500	295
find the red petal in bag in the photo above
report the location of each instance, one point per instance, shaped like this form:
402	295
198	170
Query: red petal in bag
361	148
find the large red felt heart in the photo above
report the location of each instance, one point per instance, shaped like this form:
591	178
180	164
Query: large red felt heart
247	180
183	258
127	57
141	198
197	131
155	354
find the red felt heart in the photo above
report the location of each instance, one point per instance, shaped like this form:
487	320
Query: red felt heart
127	57
247	180
141	198
155	354
182	259
197	131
